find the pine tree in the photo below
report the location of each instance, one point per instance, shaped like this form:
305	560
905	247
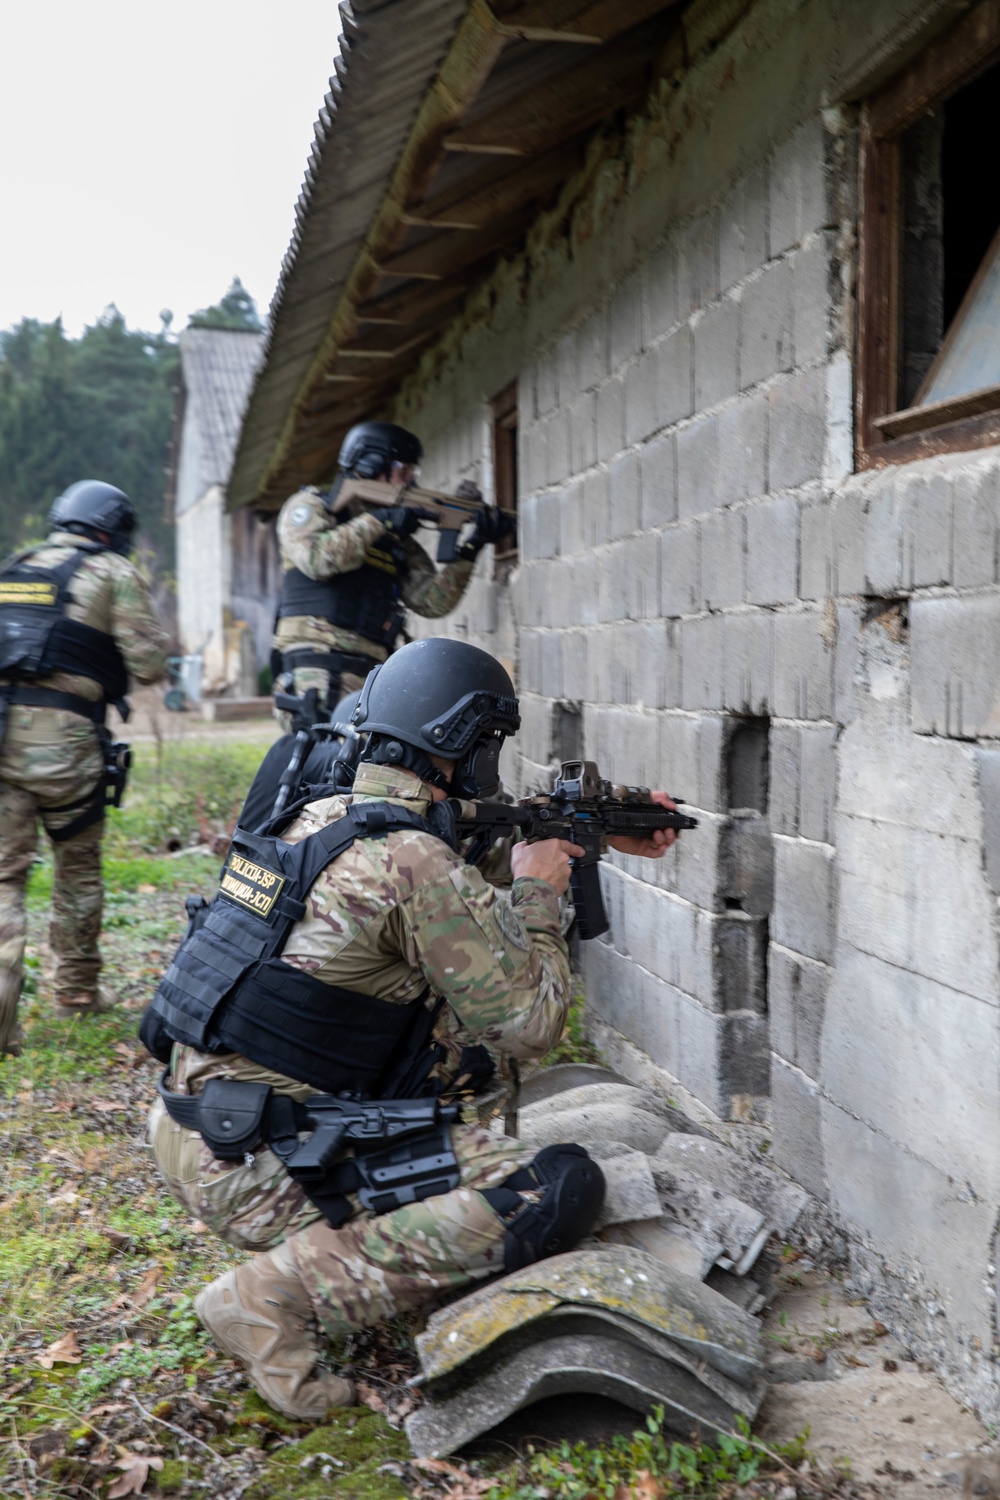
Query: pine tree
237	309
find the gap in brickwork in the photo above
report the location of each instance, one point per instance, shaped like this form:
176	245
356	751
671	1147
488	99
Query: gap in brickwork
567	731
747	765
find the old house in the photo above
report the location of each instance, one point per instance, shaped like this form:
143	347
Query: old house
227	565
709	291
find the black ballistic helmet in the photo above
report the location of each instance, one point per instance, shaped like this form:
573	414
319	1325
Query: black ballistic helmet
440	697
370	447
89	507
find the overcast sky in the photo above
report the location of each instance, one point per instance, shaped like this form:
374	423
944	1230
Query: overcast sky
150	150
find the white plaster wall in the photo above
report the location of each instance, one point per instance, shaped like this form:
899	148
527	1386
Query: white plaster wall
203	584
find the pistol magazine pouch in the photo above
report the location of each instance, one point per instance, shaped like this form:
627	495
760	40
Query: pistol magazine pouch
231	1116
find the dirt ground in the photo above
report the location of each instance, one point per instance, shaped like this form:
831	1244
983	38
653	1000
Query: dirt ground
151	720
837	1371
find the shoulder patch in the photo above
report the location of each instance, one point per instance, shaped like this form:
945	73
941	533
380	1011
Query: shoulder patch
511	925
300	515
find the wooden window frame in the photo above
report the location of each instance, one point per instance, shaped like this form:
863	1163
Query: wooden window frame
885	435
503	409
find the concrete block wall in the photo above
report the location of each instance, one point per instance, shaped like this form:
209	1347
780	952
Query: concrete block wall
698	555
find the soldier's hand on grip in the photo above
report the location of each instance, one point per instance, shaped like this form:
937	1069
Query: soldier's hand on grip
657	843
548	860
401	520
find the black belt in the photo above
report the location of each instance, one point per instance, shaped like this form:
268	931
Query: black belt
233	1118
35	697
334	662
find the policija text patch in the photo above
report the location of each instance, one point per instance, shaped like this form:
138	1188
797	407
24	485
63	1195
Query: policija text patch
250	885
16	591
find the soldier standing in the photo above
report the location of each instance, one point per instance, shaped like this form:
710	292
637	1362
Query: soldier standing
347	578
337	959
76	618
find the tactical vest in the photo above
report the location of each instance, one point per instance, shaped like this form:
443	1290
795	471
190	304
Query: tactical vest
228	990
364	600
37	639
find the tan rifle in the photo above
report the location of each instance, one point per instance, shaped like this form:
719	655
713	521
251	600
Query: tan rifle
449	513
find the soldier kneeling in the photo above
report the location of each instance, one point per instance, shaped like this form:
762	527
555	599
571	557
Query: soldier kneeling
306	1026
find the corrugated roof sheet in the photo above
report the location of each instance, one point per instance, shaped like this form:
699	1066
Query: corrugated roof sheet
391	51
218	366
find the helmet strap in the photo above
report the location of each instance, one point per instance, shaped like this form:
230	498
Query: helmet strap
383	750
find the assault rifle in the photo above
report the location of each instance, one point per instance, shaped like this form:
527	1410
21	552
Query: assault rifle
449	513
583	808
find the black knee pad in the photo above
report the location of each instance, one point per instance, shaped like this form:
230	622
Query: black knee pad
568	1207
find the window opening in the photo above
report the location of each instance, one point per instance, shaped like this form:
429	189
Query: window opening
505	475
929	284
747	766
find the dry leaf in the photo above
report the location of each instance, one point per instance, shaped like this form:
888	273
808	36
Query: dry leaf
135	1467
146	1289
371	1398
115	1237
65	1351
106	1409
106	1106
69	1194
146	890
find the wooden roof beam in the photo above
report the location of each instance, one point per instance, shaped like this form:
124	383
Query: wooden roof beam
407	304
494	191
438	257
570	102
592	23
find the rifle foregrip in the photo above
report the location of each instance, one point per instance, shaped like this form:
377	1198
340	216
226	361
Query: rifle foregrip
585	888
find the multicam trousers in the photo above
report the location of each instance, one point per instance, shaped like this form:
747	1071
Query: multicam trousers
374	1265
49	758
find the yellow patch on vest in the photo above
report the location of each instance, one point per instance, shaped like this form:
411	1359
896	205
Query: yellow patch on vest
13	591
250	885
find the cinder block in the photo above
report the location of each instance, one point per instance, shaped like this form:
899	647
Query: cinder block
560	463
586	585
680	570
784	760
797	990
676	384
711	739
716	333
642	397
803	665
701	662
796	429
884	533
680	754
575	680
816	551
976	524
988	767
698	468
914	1215
658	481
592	350
796	1128
804	915
812	297
748	652
661	281
698	262
566	367
571	519
692	868
583	432
818	782
534	458
766	322
738	947
955	666
743	229
927	528
848	538
546	383
724	558
919	1062
772	552
624	494
654	665
642	561
918	901
797	181
547	524
610	418
742	467
625	319
597	508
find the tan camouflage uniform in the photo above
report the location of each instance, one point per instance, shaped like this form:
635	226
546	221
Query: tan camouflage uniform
389	917
50	757
310	540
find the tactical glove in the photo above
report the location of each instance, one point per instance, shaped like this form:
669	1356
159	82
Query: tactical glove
491	525
401	520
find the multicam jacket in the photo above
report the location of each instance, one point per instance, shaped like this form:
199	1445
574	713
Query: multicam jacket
309	539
